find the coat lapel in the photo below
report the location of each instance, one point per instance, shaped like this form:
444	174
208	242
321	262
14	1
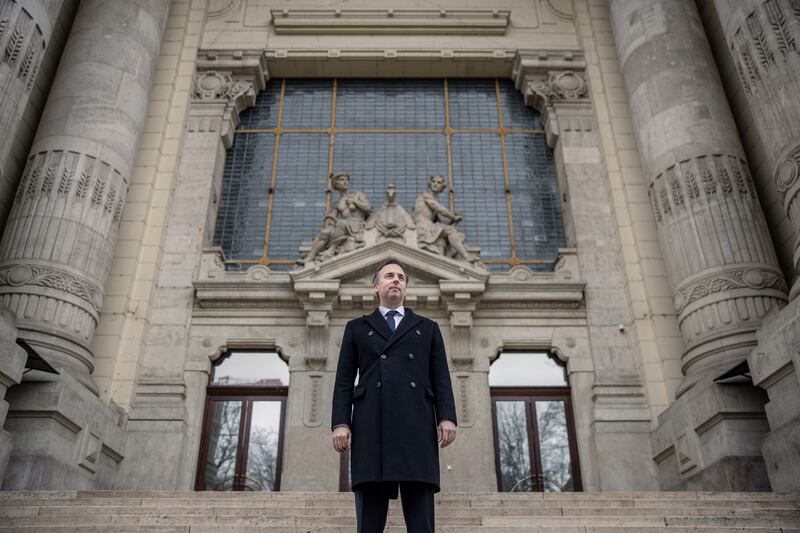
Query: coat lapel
409	321
378	324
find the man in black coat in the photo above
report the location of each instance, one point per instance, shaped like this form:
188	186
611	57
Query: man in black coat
401	409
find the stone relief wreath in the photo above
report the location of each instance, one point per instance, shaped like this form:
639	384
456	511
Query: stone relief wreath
351	223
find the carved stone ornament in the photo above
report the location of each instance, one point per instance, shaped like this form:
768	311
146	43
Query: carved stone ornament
744	278
344	223
391	220
786	176
214	85
561	85
350	224
39	276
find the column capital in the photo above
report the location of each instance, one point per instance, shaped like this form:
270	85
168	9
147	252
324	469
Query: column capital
225	84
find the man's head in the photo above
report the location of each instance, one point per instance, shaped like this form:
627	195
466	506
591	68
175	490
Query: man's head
389	282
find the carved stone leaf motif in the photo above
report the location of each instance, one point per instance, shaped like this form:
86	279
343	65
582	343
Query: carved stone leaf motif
5	16
777	21
19	275
765	54
16	41
745	278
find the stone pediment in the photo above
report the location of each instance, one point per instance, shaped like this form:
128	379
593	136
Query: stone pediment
349	276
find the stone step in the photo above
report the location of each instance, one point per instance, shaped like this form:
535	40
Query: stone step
440	503
392	529
233	510
349	521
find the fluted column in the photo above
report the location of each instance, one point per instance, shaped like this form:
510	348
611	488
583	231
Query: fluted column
713	234
763	39
57	247
26	28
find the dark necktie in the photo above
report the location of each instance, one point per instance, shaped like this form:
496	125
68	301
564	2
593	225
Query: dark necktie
389	316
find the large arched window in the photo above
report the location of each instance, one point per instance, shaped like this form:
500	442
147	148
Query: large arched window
243	423
534	433
476	132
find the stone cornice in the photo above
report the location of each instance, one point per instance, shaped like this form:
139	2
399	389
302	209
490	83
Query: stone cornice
391	21
317	289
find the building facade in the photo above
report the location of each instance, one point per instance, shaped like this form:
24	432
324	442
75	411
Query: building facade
610	246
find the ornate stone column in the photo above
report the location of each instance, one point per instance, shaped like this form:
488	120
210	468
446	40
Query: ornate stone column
721	263
12	364
714	238
763	39
56	250
26	28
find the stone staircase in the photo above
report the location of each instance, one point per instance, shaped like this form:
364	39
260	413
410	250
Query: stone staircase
324	512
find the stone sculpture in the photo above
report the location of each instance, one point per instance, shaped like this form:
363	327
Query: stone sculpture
344	222
437	226
391	220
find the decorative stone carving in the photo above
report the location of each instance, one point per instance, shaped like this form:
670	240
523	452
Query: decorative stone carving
559	85
391	220
344	223
50	278
437	226
213	85
764	40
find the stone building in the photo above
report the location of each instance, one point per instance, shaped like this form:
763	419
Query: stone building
174	242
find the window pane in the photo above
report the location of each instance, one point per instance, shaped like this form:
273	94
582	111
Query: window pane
512	442
242	214
264	115
551	418
526	370
480	193
374	160
307	104
262	452
223	440
390	104
535	200
266	369
473	104
299	201
516	115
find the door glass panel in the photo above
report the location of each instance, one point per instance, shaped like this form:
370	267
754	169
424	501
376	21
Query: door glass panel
551	419
521	369
265	369
512	442
262	452
223	439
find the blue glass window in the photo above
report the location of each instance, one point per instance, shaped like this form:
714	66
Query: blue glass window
476	132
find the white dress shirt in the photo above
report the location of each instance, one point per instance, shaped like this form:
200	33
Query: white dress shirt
397	318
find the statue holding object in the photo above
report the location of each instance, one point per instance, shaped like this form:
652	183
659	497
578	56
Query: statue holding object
343	225
437	226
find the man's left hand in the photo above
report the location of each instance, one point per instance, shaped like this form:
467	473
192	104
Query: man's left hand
447	433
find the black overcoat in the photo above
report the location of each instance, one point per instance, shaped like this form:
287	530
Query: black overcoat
403	392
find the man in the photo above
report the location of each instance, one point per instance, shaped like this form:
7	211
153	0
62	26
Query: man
402	407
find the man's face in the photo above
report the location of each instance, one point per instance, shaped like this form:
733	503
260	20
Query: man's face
391	286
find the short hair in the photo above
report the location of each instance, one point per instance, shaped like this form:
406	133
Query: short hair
387	263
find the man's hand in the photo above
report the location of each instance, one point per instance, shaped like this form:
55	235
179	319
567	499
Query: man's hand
341	439
447	433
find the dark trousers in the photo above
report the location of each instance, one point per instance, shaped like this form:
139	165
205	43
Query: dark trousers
372	505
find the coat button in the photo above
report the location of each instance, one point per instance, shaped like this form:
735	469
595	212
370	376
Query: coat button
419	332
383	356
411	356
413	385
379	384
370	333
